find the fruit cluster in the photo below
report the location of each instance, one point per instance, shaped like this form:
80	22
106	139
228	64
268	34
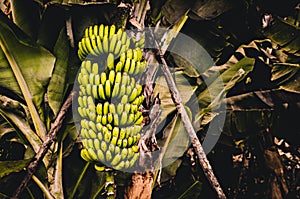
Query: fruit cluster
109	97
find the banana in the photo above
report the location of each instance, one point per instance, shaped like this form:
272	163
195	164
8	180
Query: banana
97	144
99	168
99	44
119	143
112	31
110	61
135	55
99	126
116	160
124	99
125	79
88	89
117	150
122	91
107	89
95	31
137	68
128	90
117	49
115	91
127	108
87	43
104	119
122	133
112	44
139	89
124	38
85	155
133	108
101	31
132	67
107	136
106	31
130	141
101	92
94	44
92	125
95	91
91	78
81	112
119	34
129	54
134	159
116	119
92	115
85	80
120	108
105	44
130	153
103	146
99	108
80	101
139	54
103	78
135	149
100	155
109	118
127	65
137	115
127	164
95	68
82	90
84	133
119	66
120	166
114	140
124	153
111	148
112	108
91	31
116	132
133	95
123	118
139	120
108	155
85	51
105	108
124	143
97	79
130	119
118	77
111	76
109	127
99	119
92	154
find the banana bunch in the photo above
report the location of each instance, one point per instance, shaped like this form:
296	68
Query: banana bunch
110	99
99	40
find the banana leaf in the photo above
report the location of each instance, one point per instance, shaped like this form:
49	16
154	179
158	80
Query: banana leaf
36	63
285	34
7	167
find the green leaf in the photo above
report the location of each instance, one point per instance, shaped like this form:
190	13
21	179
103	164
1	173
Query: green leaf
193	191
36	63
287	75
26	15
56	88
285	34
7	167
211	98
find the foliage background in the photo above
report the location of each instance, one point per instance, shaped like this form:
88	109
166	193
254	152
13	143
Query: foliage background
258	152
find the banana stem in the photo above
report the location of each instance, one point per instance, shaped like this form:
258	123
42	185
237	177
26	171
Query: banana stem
110	184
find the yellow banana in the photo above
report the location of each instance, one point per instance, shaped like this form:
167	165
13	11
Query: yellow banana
90	31
116	119
105	108
112	44
99	44
133	95
112	31
99	167
111	76
101	92
105	44
84	154
116	160
129	53
118	48
95	31
101	31
120	108
94	45
108	155
106	31
95	68
88	89
103	78
92	134
110	61
97	79
103	146
123	119
92	154
109	118
107	89
115	132
100	155
127	65
118	77
115	91
132	67
124	99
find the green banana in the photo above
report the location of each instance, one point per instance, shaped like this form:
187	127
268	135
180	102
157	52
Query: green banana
110	99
